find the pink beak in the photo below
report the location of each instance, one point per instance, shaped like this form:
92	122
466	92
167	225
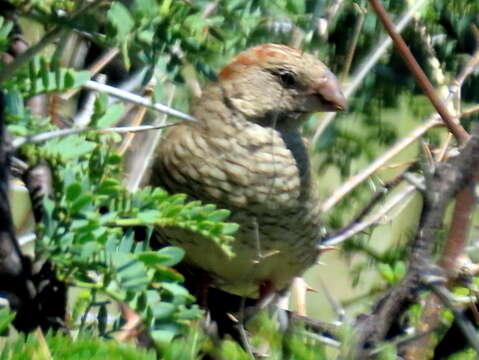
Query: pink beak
330	93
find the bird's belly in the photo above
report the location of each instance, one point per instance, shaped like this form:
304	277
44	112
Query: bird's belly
266	253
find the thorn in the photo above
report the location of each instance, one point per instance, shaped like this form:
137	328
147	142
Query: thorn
324	248
427	152
232	317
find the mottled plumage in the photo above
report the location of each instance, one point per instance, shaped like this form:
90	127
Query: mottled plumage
246	154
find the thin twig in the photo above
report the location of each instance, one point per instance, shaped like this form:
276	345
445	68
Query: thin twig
324	22
374	219
458	131
458	230
137	120
401	164
136	99
335	304
351	183
465	325
365	68
401	341
147	158
94	69
366	210
322	339
354	181
84	115
354	42
10	69
37	138
332	329
470	111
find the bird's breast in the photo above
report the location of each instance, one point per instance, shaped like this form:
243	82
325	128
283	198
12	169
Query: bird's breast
263	177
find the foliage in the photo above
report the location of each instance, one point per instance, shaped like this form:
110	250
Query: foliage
193	345
89	227
85	228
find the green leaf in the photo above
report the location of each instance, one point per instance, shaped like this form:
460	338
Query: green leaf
73	191
67	148
5	28
165	7
386	272
14	103
399	270
89	249
163	310
149	216
114	159
219	215
230	228
121	19
112	115
81	202
296	6
153	258
175	289
6	318
173	254
165	333
79	78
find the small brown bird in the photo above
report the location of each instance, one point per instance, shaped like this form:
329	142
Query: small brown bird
246	154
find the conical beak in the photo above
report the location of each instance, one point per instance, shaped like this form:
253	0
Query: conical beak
330	93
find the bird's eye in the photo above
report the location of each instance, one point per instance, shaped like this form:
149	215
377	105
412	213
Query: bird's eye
287	77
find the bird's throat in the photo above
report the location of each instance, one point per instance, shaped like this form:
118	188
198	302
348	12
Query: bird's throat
294	142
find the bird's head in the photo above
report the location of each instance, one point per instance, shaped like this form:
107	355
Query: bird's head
278	85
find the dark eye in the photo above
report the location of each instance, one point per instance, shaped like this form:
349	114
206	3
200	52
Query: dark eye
287	77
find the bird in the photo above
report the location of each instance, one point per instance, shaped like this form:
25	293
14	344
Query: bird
246	153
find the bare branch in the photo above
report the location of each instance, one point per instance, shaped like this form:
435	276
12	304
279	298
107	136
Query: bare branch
448	179
67	132
108	56
354	42
454	248
368	64
354	181
423	81
357	226
465	325
136	99
147	157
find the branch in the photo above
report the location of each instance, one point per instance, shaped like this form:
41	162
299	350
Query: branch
50	135
464	324
447	179
358	225
15	280
94	69
453	250
149	148
365	67
354	42
423	81
354	181
136	99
